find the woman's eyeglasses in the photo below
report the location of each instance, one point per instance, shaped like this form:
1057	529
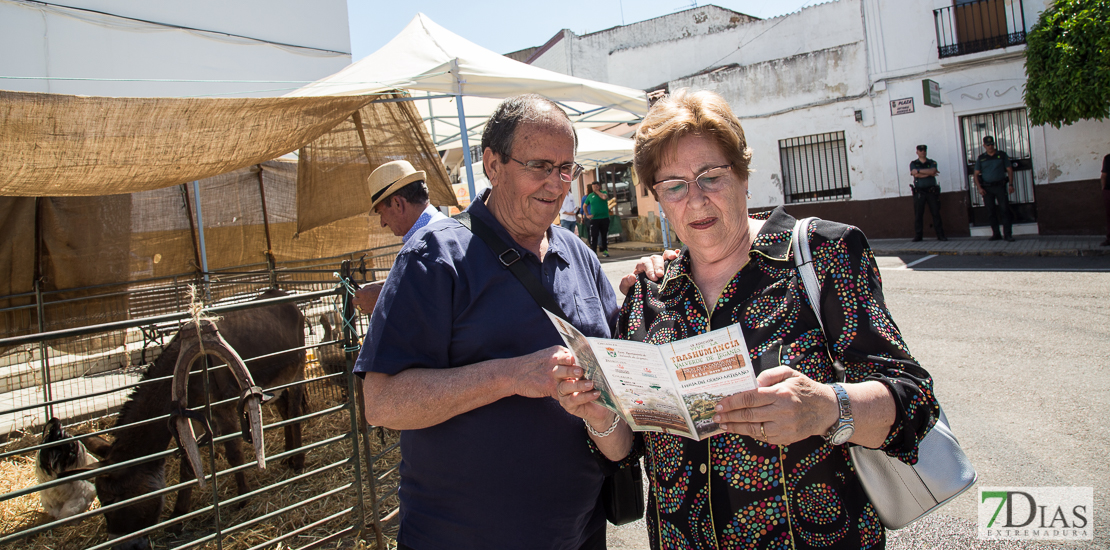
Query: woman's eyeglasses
709	181
567	172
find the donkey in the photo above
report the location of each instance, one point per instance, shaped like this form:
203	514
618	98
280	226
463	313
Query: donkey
251	333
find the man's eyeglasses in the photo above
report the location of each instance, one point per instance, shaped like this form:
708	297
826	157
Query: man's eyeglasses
709	181
567	172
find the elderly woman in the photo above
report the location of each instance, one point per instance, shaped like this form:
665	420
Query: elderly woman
779	477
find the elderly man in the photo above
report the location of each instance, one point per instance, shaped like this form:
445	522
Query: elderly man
459	355
399	196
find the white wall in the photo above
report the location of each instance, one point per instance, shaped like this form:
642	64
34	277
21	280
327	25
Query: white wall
903	50
58	42
1072	153
815	28
649	53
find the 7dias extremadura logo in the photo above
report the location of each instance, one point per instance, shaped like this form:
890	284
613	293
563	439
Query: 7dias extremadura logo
1042	513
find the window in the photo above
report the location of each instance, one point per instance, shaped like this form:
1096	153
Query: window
814	168
616	180
971	26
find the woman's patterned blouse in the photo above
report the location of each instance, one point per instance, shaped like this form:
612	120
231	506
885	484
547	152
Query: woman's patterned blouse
731	491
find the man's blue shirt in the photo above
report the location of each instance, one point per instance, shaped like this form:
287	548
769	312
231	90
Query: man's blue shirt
516	473
430	215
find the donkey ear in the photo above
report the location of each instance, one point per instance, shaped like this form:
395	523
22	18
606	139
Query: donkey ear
85	469
97	445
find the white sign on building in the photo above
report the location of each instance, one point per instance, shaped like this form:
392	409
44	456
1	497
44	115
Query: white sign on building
901	106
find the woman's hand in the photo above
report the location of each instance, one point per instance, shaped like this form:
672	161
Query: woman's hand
787	407
577	396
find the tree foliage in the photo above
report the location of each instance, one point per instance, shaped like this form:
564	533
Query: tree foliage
1067	63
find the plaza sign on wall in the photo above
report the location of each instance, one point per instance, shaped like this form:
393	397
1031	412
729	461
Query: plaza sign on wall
901	106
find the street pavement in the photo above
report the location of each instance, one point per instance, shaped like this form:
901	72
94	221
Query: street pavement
1023	245
1019	349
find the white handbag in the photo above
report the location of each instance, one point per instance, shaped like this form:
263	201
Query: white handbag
900	493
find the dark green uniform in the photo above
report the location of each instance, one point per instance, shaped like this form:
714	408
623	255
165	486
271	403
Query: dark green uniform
926	191
996	196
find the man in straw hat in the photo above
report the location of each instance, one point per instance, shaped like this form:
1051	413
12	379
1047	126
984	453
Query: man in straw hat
458	357
399	196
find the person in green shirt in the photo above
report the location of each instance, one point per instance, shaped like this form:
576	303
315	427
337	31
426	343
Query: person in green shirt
597	210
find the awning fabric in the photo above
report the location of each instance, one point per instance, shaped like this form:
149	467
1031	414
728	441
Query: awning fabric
63	145
598	149
427	59
95	192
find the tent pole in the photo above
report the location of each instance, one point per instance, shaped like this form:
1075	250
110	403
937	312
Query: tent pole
203	251
466	146
664	227
271	265
40	312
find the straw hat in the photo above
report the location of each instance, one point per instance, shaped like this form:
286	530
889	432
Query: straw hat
389	178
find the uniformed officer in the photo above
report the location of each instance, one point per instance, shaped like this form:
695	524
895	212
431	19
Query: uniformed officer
925	191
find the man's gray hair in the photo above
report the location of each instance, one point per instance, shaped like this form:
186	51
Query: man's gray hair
507	118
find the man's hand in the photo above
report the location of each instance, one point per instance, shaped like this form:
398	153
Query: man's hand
532	373
366	297
651	266
1011	188
982	192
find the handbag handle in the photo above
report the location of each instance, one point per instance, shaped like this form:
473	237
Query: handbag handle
803	258
510	259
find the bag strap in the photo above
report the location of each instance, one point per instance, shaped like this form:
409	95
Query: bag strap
803	258
511	260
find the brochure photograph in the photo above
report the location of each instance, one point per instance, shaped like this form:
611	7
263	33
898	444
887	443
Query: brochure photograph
670	387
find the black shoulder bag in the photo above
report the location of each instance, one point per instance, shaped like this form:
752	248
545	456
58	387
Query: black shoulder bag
622	493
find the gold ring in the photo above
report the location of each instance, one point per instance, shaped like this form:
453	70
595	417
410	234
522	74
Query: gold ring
762	431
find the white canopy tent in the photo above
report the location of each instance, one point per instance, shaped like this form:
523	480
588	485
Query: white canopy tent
598	149
439	68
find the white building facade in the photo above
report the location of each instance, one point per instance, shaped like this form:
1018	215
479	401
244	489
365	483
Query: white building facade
163	48
835	98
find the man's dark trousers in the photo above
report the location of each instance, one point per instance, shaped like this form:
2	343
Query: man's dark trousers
921	197
997	199
599	235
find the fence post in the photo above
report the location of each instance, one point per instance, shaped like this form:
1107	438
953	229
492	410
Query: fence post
44	360
354	404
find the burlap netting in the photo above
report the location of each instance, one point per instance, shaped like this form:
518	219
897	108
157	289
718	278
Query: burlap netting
125	162
90	241
62	145
331	183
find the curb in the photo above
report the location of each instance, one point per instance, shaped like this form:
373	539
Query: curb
1058	253
895	251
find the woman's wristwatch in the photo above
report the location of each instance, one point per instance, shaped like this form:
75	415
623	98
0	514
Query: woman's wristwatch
845	426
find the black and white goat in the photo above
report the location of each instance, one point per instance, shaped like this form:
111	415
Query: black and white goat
68	499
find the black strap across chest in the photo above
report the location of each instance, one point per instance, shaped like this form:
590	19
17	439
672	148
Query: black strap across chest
511	260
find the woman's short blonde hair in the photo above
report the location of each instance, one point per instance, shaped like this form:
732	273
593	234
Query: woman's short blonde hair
685	113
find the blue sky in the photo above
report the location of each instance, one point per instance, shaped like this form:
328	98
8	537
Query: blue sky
508	25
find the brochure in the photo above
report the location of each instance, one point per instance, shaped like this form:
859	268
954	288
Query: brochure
669	388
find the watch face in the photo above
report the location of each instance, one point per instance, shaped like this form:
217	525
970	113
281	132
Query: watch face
842	434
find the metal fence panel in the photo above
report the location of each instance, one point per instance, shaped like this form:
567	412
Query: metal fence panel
83	376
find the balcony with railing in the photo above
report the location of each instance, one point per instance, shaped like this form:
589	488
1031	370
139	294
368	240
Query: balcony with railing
978	26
